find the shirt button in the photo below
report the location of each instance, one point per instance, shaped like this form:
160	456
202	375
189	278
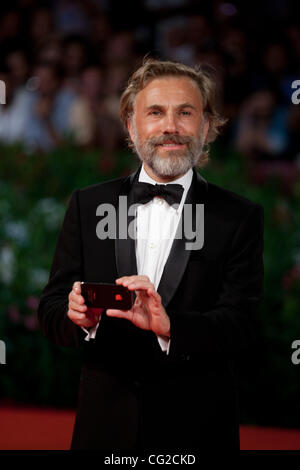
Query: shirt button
158	200
152	245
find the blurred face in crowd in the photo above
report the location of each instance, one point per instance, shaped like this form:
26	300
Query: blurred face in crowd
41	24
168	128
19	68
91	81
48	81
74	57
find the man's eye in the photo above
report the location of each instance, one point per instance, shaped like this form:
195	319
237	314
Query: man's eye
185	113
155	112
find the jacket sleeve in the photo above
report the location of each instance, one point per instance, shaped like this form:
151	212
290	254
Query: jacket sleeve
66	268
229	327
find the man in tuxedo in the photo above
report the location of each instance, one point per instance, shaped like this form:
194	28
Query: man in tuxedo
162	375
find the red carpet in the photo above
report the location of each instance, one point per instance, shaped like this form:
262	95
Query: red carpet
35	429
50	429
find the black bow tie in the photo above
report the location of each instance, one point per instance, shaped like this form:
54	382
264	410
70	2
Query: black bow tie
144	192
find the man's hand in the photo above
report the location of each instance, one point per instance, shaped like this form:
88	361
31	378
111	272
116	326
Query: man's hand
78	312
147	311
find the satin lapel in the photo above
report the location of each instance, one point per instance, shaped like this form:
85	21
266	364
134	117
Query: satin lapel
124	244
179	255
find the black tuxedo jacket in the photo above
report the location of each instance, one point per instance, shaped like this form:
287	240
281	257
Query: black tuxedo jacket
132	395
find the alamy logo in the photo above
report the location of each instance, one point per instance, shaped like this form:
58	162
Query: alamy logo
295	356
2	352
296	93
126	226
2	92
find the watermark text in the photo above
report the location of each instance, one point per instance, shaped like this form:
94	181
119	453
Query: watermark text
123	225
296	94
2	352
2	92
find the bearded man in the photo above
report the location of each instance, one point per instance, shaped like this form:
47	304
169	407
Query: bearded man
160	376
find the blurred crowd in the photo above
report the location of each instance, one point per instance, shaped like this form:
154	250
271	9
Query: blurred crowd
66	62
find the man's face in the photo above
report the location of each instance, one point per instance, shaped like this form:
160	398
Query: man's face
168	128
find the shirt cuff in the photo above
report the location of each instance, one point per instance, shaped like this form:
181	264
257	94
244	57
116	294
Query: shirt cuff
91	333
164	344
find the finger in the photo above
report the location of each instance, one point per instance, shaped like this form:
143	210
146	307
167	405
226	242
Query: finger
75	297
140	284
126	279
119	313
80	319
76	317
77	307
77	287
155	296
148	295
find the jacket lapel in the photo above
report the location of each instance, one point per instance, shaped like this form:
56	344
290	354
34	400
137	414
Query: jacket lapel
125	245
179	254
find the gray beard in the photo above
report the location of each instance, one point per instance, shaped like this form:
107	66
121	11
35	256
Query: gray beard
175	163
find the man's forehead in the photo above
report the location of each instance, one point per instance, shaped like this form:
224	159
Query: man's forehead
176	89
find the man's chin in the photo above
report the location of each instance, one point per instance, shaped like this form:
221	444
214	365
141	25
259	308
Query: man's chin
166	163
171	169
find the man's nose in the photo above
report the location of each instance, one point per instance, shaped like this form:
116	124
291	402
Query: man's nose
170	124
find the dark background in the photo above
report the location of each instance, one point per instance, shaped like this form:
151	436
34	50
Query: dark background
65	64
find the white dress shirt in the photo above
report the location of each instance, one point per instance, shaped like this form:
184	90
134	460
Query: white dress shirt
156	225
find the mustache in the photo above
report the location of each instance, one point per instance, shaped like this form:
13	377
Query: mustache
174	138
